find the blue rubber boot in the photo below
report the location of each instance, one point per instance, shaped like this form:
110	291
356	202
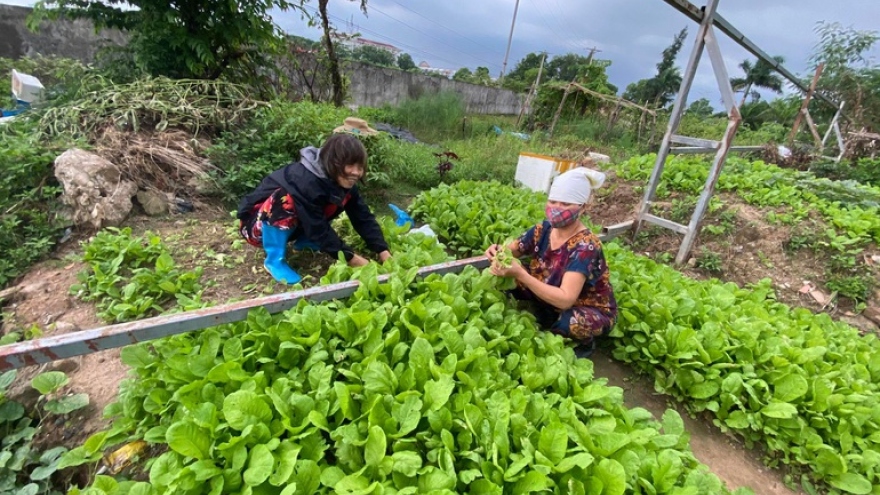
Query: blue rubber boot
275	245
303	244
402	217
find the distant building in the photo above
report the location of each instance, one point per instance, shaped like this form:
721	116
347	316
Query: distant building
356	42
426	68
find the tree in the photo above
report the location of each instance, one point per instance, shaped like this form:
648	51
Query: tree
530	61
755	114
464	75
185	38
849	74
303	43
593	77
761	75
482	76
524	73
661	88
568	67
374	56
701	108
405	62
327	40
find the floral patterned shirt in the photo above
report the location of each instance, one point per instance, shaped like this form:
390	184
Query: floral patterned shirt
582	253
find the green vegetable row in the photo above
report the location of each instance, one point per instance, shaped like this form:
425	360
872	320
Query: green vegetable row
852	208
434	385
800	383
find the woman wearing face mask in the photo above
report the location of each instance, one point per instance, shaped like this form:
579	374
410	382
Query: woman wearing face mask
567	275
298	202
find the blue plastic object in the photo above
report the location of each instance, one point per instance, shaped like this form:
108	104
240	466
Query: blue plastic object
275	245
402	217
520	135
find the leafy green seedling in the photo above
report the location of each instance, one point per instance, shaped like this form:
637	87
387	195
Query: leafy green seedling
504	259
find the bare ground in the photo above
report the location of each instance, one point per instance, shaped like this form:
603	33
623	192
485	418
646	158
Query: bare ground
725	454
748	250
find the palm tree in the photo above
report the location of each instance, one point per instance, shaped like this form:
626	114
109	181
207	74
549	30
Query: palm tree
760	75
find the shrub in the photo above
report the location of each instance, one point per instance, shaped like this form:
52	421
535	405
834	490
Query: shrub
432	118
272	138
28	198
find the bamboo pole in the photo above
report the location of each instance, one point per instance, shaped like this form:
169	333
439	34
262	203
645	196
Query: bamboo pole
532	92
805	104
559	109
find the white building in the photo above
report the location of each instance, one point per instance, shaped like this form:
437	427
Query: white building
357	42
426	68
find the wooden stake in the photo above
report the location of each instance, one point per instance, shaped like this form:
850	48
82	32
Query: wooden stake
806	103
615	114
559	110
812	127
532	92
642	121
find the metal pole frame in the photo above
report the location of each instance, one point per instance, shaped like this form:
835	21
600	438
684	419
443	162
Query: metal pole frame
728	97
707	40
675	118
695	14
835	126
48	349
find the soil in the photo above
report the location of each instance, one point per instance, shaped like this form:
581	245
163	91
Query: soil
745	250
725	454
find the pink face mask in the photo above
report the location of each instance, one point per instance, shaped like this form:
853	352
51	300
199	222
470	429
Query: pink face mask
561	217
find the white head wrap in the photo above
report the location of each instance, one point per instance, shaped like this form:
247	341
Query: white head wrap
576	185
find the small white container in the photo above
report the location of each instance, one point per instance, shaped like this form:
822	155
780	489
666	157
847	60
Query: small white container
26	88
537	171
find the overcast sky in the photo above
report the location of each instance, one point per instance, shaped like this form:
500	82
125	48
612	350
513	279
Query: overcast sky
631	33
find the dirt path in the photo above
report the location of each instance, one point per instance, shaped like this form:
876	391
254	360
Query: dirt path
723	454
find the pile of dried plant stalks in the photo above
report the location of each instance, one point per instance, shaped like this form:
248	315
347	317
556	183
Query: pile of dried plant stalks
862	144
799	158
154	130
162	161
197	106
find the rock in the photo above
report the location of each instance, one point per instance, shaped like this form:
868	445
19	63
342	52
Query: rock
863	324
9	294
93	188
600	158
204	186
65	327
153	203
35	289
872	313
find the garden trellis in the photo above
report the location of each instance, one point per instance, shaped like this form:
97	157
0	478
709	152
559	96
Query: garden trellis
706	40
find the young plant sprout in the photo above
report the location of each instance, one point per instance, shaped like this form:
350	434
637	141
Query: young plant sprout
504	259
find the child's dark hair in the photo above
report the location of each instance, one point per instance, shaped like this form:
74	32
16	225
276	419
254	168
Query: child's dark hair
342	149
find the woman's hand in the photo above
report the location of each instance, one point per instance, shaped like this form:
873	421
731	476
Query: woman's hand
384	256
492	251
357	260
516	270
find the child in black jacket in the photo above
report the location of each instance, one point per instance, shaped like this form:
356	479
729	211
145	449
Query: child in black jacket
299	201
